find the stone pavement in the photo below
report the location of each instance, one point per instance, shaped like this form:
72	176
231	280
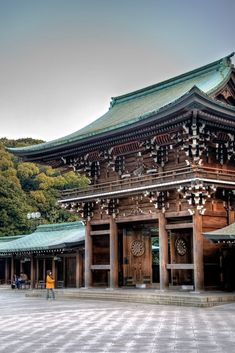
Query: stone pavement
87	326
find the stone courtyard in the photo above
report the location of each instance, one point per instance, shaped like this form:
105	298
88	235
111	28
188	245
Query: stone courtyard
87	326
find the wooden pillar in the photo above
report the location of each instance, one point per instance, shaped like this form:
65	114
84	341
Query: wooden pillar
78	270
44	270
6	270
172	258
37	271
231	216
125	257
64	270
54	270
32	279
113	254
88	256
163	252
198	252
21	266
12	267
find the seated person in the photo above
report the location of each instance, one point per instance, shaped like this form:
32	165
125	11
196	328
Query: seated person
23	278
15	283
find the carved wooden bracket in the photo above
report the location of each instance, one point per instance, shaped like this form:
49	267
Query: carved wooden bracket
108	206
159	199
197	193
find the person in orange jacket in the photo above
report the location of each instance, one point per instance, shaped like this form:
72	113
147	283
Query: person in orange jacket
50	285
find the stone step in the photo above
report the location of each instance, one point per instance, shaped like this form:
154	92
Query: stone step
143	296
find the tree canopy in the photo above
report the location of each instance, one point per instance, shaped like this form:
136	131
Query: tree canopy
27	187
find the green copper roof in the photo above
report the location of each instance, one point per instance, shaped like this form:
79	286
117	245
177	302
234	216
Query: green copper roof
138	105
226	233
52	236
10	238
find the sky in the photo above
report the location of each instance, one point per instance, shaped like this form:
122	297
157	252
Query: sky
61	61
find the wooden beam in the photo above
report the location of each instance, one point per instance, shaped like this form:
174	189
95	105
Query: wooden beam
215	213
100	232
179	226
101	221
100	267
126	219
180	266
177	214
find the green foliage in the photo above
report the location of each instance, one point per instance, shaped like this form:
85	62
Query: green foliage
13	208
19	142
27	187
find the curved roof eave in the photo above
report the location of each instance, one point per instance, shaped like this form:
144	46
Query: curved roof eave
170	108
220	72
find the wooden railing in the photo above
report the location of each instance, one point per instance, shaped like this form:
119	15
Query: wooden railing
153	179
214	173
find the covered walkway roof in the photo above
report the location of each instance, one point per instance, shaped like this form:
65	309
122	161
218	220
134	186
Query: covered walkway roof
46	237
223	234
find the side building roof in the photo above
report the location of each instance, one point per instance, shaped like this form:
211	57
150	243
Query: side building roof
139	105
11	238
223	234
46	237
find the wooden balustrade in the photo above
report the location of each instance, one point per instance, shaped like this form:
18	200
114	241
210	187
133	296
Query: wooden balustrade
147	180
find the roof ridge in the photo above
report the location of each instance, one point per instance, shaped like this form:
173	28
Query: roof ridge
225	62
55	226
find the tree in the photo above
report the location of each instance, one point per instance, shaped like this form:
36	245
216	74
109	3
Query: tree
27	187
13	208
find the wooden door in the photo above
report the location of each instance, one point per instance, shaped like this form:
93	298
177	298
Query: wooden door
137	258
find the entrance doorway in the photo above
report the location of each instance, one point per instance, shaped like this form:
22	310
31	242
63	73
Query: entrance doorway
136	255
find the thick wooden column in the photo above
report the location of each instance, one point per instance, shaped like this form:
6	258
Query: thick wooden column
113	254
32	279
78	270
163	252
88	256
198	252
